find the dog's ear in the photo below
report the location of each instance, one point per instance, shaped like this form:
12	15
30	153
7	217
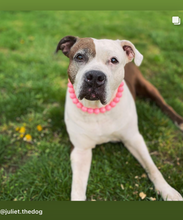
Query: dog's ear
65	44
131	52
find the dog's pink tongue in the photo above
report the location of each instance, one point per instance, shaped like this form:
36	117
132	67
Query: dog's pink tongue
93	95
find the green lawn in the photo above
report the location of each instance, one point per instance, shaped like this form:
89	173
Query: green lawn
34	146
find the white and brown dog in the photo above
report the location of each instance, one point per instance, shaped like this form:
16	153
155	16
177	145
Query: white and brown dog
96	70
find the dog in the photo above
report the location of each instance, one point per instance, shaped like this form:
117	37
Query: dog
100	107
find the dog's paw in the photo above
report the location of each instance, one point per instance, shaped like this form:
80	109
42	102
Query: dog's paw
181	127
77	197
169	194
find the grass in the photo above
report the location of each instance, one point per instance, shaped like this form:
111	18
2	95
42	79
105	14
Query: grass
34	163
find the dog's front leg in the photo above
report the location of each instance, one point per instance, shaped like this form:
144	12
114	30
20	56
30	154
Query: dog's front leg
80	163
137	147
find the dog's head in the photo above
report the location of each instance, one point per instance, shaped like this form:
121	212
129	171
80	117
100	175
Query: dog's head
96	67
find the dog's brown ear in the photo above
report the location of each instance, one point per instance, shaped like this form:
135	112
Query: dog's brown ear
131	52
65	44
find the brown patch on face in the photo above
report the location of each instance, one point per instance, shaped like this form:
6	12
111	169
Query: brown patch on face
85	44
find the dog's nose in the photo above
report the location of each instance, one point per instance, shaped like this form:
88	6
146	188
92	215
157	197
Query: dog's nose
95	78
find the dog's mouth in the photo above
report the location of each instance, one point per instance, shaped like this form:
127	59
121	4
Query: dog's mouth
94	86
93	94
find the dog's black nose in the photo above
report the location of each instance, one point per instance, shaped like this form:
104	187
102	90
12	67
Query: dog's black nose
95	78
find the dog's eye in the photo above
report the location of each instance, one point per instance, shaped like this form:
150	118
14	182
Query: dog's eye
79	57
114	60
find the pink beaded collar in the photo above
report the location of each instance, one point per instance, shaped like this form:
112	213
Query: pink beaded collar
108	107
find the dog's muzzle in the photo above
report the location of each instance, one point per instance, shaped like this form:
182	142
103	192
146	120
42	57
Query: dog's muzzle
93	87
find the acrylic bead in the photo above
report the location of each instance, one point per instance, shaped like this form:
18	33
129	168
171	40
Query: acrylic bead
112	104
120	89
90	110
70	85
122	84
96	111
72	95
116	99
79	105
75	101
102	110
71	90
119	94
84	109
108	107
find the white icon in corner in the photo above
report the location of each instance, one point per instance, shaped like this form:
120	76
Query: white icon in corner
176	20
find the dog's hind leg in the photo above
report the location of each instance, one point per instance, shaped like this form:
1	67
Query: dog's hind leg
139	86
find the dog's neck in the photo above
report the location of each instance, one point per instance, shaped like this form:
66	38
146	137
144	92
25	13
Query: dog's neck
96	106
